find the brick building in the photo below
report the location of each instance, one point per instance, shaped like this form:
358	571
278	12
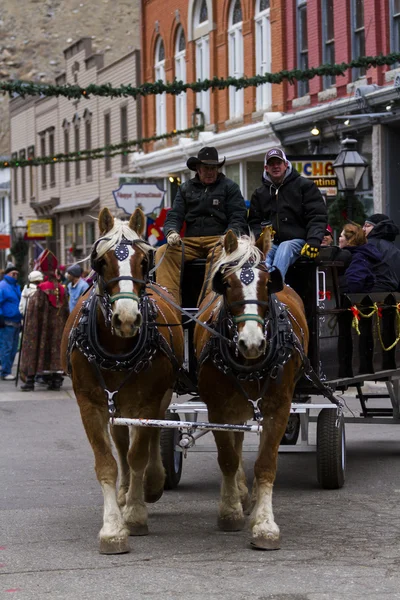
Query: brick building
71	193
199	39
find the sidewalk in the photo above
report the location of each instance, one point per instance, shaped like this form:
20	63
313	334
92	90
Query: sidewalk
9	392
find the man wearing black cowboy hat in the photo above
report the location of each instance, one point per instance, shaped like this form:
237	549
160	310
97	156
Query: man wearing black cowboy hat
210	204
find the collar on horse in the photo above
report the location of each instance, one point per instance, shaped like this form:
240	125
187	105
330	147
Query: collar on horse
146	344
281	343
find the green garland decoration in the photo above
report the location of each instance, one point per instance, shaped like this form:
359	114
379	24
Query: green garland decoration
73	92
106	151
337	212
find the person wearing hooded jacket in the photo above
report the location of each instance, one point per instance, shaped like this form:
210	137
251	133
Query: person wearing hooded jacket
34	278
381	232
10	321
368	270
294	207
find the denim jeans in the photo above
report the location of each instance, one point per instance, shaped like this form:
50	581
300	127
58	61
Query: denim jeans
8	348
282	255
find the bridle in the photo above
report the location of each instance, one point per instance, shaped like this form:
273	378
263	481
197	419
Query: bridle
121	252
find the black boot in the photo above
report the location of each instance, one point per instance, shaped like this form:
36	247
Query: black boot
55	382
29	384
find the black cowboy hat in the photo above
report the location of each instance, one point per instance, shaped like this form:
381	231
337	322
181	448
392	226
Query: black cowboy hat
206	156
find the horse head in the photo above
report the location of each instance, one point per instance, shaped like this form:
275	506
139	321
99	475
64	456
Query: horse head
242	279
120	257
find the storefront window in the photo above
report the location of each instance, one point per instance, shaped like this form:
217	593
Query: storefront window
254	174
90	234
79	234
233	172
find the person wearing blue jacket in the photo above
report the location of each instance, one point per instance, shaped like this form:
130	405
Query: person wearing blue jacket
10	321
368	270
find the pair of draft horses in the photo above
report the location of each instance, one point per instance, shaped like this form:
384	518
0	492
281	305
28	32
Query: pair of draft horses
125	320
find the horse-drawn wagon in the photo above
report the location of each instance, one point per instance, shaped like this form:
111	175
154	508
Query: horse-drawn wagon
242	354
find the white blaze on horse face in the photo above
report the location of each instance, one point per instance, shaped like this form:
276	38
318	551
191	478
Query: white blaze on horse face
251	337
126	309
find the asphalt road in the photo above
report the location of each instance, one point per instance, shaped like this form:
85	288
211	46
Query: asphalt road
336	544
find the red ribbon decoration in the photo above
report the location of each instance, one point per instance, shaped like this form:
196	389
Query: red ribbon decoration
325	295
356	312
380	312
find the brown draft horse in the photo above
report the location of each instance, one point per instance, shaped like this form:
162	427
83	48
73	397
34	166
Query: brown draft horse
122	337
261	362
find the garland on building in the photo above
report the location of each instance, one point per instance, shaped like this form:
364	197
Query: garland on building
73	92
105	152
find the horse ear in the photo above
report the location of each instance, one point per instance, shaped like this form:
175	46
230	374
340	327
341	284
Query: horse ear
275	281
106	221
264	242
218	284
137	222
230	242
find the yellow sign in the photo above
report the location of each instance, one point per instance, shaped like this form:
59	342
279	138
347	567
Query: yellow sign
320	169
40	228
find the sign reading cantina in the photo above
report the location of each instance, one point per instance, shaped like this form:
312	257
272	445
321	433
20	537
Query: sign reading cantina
318	168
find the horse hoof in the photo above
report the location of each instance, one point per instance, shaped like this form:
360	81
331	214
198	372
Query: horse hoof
225	524
263	543
138	529
151	498
116	546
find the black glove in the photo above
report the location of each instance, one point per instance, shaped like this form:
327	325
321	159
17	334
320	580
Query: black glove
2	323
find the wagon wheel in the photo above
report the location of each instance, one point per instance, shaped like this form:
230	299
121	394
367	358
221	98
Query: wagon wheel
171	458
331	450
291	434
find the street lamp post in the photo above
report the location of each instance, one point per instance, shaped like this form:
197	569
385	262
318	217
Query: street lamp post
20	247
349	167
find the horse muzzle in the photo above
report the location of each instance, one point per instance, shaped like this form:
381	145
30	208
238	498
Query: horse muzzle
252	350
126	325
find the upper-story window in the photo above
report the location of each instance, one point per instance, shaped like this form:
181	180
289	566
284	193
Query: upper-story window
203	12
43	167
395	26
52	152
302	44
263	52
159	72
22	157
358	35
87	117
328	39
123	114
235	39
66	127
77	147
180	74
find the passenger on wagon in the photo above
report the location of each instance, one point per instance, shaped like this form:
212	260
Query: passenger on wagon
368	270
381	232
210	204
295	208
327	240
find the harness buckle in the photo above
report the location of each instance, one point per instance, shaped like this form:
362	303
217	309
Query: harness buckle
257	415
112	409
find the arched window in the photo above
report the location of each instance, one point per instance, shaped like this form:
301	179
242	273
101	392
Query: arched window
159	73
263	53
200	24
180	74
235	40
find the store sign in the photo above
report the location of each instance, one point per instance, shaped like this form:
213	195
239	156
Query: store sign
38	228
319	168
5	242
147	196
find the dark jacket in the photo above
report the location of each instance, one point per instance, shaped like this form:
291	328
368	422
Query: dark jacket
295	208
368	272
382	237
208	210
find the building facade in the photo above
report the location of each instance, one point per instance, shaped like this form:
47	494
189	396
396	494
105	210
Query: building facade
71	193
202	39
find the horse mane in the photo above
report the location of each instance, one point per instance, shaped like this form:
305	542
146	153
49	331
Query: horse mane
113	237
246	252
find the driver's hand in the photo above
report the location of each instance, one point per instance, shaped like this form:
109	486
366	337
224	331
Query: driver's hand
173	239
309	251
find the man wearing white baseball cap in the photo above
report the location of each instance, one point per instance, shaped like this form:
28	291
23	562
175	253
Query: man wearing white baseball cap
295	208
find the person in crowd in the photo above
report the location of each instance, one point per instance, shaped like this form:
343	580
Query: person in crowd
327	240
10	261
381	232
209	204
45	318
295	208
34	278
368	271
76	285
10	321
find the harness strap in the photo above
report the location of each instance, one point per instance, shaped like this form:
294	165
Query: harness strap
248	317
122	295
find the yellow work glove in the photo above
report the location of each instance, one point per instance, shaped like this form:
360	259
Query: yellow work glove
173	238
309	251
